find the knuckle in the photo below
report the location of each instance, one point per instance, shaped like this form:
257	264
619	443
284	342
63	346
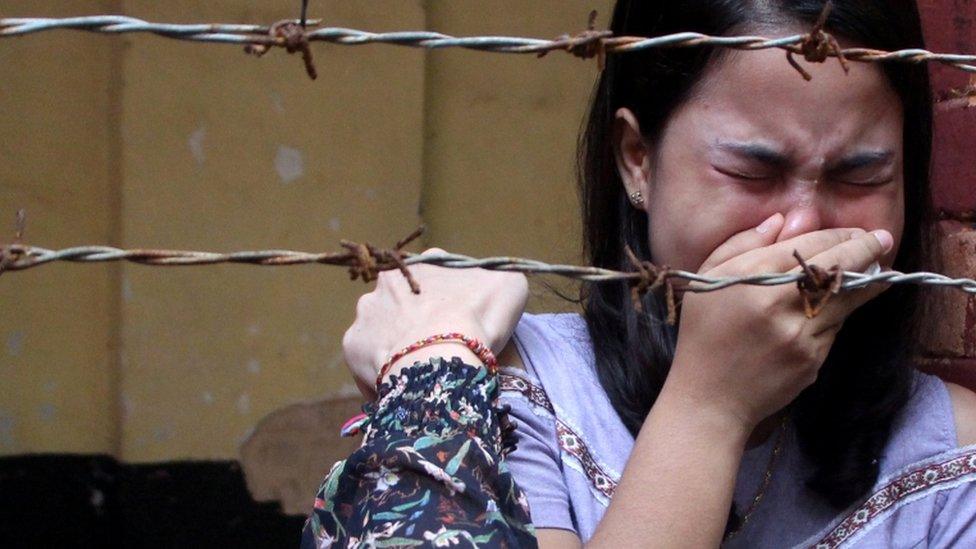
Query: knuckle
875	249
841	235
789	333
348	339
830	238
522	283
363	304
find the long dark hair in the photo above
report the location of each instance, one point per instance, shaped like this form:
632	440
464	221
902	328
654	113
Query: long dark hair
844	419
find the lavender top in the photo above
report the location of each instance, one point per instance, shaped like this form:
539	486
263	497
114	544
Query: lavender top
573	447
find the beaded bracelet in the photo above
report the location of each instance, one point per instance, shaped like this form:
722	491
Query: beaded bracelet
477	347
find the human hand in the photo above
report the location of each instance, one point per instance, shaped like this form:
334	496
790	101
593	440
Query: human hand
478	303
748	351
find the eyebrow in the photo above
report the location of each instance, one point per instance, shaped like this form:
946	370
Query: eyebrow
759	152
769	155
863	160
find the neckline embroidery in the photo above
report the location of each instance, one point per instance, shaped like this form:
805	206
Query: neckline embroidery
570	442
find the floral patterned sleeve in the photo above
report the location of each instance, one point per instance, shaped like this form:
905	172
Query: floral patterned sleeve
430	471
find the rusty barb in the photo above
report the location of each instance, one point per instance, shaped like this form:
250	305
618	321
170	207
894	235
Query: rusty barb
584	44
10	253
651	277
959	98
818	46
290	35
815	46
818	285
366	260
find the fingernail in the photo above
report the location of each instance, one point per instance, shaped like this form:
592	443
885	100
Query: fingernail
885	238
767	225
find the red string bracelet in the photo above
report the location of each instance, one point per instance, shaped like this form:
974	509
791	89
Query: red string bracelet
477	347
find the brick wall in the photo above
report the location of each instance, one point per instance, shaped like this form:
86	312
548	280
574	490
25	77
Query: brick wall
949	321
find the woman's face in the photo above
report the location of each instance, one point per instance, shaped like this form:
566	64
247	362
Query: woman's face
757	139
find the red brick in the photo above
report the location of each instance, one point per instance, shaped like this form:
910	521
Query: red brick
947	328
953	169
961	371
950	26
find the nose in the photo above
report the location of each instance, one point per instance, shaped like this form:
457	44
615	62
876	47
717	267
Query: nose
803	214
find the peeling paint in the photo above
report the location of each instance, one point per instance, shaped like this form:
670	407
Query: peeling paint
195	143
334	224
207	397
126	290
289	164
276	103
348	390
337	360
292	448
371	193
47	411
254	329
244	403
128	407
254	366
7	424
50	386
163	433
15	343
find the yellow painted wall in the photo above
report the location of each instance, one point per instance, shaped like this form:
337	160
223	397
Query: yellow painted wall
58	102
501	135
140	141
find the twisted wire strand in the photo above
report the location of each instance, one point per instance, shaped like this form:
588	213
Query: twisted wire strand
246	34
30	256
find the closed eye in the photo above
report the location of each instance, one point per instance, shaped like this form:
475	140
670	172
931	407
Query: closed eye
869	169
865	177
736	174
872	182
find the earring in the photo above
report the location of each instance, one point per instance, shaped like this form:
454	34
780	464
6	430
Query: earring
637	198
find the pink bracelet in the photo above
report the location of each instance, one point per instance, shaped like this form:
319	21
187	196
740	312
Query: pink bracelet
477	347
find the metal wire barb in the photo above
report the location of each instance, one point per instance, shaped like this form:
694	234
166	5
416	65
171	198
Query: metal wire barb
90	254
587	43
366	260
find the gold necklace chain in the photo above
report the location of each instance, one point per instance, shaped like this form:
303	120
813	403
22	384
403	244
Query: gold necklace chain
767	477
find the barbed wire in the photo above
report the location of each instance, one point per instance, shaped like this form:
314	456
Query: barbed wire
365	261
960	98
32	256
290	34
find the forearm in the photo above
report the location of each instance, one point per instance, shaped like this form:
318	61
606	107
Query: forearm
430	468
678	484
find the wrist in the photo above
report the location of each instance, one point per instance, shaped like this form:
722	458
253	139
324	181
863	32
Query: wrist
706	416
420	403
445	349
468	344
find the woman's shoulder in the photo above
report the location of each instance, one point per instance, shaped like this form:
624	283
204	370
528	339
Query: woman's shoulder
558	375
964	410
564	415
926	489
550	346
938	417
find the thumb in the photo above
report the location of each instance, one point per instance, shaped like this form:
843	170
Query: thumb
762	235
